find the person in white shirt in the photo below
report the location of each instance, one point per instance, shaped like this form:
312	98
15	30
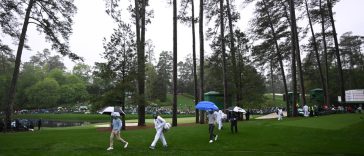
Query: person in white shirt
305	110
116	127
219	119
280	114
159	123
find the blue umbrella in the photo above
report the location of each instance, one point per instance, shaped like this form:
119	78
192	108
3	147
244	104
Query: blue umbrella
206	105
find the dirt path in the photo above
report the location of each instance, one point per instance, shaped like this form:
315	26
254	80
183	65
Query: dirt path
271	116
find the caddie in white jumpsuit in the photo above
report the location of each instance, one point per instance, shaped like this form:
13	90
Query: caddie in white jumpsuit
219	119
305	110
280	113
159	123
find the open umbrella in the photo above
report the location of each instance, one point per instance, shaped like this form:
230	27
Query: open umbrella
236	109
111	109
206	105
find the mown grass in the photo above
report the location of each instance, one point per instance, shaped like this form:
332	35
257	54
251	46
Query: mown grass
278	101
184	101
294	136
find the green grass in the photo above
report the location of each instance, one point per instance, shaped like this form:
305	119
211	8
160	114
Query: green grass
278	100
293	136
184	101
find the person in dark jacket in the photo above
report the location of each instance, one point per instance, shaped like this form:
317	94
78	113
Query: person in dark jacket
234	122
17	124
2	125
39	124
247	115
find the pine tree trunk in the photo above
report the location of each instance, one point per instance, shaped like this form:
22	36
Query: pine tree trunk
123	73
290	106
202	53
233	55
337	52
298	59
223	55
123	107
141	70
11	94
294	46
279	55
194	59
300	72
272	82
316	50
325	55
174	118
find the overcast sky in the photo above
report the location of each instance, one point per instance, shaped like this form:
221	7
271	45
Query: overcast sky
92	24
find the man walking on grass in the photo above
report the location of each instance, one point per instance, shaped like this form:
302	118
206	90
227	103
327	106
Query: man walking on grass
116	127
212	119
159	123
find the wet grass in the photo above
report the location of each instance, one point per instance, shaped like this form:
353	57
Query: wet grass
340	134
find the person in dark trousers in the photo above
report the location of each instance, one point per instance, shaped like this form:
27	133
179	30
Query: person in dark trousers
2	125
17	124
39	124
31	125
234	122
212	120
247	115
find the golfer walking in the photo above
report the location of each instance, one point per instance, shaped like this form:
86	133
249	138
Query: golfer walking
212	119
116	126
159	123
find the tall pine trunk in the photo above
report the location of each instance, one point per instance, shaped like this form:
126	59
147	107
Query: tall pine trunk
290	106
294	46
233	55
122	102
337	52
300	73
279	55
316	50
122	99
141	64
325	54
298	59
222	38
174	118
202	53
194	58
272	82
240	66
11	93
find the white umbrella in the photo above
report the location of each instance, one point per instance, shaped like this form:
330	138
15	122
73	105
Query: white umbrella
111	109
236	109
